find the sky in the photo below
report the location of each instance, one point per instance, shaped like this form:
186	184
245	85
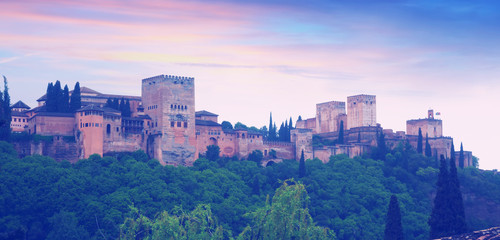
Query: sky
250	58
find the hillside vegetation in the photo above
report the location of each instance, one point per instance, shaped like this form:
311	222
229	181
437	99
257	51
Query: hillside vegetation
92	199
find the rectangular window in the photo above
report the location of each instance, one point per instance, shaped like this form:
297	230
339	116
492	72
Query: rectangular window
172	124
86	124
185	124
24	120
179	124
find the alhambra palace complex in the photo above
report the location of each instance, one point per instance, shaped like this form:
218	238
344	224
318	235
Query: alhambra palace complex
165	125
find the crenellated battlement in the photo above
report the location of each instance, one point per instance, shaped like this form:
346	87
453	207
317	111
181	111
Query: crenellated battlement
360	98
168	78
337	104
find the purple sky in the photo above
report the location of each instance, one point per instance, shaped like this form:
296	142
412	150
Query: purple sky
249	59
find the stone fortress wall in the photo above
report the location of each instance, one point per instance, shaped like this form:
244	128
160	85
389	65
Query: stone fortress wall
166	126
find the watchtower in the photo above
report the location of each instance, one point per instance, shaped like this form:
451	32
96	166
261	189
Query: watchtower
361	111
169	101
328	116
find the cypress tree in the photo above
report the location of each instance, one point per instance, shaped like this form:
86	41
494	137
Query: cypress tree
58	96
287	132
281	133
452	153
393	227
302	166
381	148
275	135
65	99
76	98
50	101
456	203
256	186
428	150
116	104
461	157
121	106
419	142
341	133
6	115
271	135
126	109
109	103
3	120
440	218
290	127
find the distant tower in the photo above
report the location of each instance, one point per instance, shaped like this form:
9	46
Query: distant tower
169	101
89	121
361	111
328	116
429	126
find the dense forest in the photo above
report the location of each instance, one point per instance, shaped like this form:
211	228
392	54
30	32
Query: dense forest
118	196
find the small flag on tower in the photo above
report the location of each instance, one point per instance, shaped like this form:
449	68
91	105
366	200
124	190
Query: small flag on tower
438	113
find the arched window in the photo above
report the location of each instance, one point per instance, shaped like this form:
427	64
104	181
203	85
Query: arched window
108	129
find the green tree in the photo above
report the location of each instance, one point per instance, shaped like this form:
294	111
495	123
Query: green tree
393	227
213	152
198	224
341	133
440	218
461	157
65	99
109	103
50	101
302	166
256	156
272	128
281	133
419	141
226	125
287	217
65	226
126	111
240	125
381	149
286	132
452	152
5	111
256	185
58	97
428	149
455	203
265	132
475	161
76	98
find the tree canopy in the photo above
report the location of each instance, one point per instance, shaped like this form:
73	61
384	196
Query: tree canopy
94	197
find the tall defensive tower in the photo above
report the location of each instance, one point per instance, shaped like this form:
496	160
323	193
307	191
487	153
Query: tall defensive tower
361	111
169	101
328	116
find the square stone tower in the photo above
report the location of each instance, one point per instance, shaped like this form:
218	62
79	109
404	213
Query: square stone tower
328	116
361	111
169	101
